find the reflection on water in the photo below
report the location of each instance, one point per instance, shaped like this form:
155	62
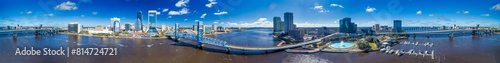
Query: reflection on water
464	49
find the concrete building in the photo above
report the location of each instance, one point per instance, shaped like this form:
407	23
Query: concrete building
221	29
376	27
384	28
214	27
152	21
397	26
128	27
74	27
115	22
98	28
323	31
288	21
297	33
163	28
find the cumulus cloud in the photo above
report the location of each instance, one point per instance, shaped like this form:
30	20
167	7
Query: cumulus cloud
49	15
95	13
485	14
181	12
203	16
29	12
66	6
164	10
337	5
431	14
465	12
458	12
419	12
220	13
185	19
320	9
212	2
196	20
261	22
368	9
495	7
181	3
82	15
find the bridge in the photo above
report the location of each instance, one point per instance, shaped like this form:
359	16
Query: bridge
200	39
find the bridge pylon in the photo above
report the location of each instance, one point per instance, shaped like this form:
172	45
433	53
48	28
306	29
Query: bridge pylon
200	34
176	28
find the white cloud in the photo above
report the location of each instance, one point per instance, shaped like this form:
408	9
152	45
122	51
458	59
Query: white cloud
431	14
220	13
185	19
82	15
485	14
196	20
181	12
368	9
458	12
203	16
262	22
164	10
496	7
320	9
212	2
419	12
29	12
158	13
466	12
337	5
216	22
181	3
66	6
169	16
49	15
95	13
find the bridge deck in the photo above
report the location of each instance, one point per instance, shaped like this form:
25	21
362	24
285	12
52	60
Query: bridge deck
278	47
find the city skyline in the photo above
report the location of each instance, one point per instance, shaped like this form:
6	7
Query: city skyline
253	13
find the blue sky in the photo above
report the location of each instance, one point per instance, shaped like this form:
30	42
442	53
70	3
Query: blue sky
252	13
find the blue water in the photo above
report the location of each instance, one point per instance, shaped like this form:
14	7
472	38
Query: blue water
342	46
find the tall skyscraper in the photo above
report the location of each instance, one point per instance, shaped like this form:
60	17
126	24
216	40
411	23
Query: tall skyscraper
163	28
397	26
152	21
277	24
74	27
115	22
214	27
288	21
138	22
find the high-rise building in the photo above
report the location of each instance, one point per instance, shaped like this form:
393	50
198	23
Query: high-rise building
128	27
163	28
397	26
152	21
195	27
214	27
74	27
115	22
346	26
288	21
376	27
138	22
277	24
